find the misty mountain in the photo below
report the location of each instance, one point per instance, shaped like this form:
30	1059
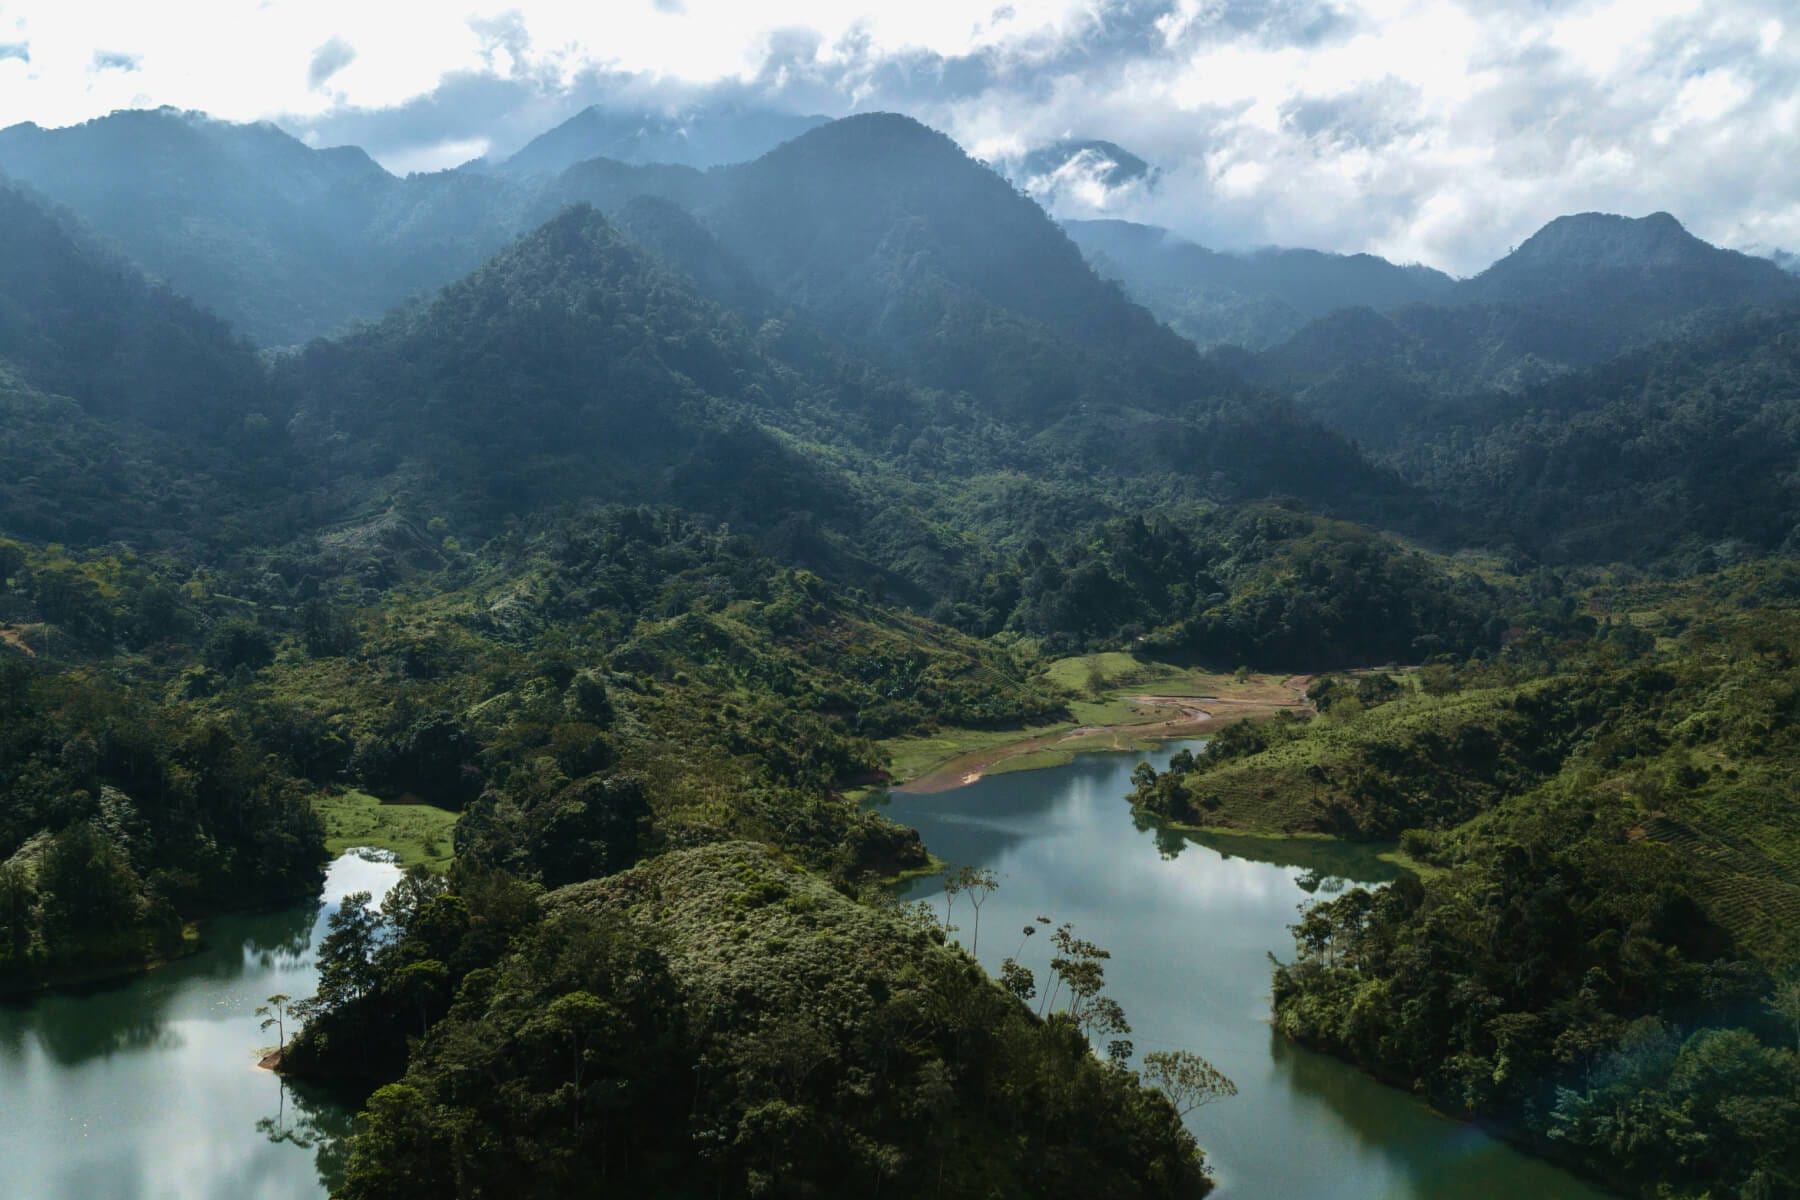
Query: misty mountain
78	321
886	236
1581	291
705	136
1107	163
126	412
571	366
1626	275
1082	171
1254	299
1682	448
286	241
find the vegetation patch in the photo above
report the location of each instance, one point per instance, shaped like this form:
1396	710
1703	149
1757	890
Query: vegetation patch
417	833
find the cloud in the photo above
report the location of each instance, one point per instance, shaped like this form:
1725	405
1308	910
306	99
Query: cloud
113	60
18	50
1435	130
330	58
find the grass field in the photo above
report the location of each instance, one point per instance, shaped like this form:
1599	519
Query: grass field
1137	707
418	833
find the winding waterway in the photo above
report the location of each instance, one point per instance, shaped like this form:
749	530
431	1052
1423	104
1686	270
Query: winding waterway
149	1089
1190	923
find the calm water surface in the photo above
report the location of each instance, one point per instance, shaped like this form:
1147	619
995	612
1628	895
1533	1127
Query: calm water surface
1190	924
150	1089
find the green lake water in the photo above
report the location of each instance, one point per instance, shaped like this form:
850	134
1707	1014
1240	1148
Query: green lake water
1190	923
149	1089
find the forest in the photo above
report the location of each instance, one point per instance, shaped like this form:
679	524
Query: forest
628	512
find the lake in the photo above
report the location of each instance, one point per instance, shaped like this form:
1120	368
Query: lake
149	1089
1190	922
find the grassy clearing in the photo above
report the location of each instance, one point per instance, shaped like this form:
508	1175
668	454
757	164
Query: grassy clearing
418	833
917	756
1118	718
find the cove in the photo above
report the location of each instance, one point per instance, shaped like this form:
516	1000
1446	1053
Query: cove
1190	921
149	1089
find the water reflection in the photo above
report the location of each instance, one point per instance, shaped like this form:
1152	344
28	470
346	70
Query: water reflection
1191	920
150	1088
313	1119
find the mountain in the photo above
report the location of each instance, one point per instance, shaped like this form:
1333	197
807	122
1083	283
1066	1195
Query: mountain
1379	377
1254	299
76	320
1787	260
287	241
1581	291
571	366
887	232
128	412
704	136
1079	170
1626	274
1682	450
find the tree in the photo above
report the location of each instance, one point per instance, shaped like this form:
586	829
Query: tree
583	1019
238	643
1078	967
12	561
347	970
275	1013
422	982
979	883
1189	1081
17	898
1018	980
88	888
1785	1003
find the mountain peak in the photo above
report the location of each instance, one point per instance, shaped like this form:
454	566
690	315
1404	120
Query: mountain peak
705	136
870	137
1594	259
1607	240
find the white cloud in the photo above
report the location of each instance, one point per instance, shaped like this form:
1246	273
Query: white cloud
1438	130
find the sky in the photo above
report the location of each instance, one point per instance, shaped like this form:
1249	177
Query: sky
1435	131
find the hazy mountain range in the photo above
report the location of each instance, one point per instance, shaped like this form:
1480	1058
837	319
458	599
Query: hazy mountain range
870	245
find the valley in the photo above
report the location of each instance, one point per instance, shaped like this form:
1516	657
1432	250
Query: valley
685	551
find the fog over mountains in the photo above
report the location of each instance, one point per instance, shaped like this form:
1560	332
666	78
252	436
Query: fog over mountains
641	499
870	237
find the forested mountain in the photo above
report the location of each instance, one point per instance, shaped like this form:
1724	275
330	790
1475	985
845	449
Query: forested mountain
1580	292
1253	299
888	238
287	241
1683	448
1626	275
76	320
632	506
704	136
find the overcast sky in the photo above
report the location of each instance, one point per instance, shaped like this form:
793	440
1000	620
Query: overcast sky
1441	131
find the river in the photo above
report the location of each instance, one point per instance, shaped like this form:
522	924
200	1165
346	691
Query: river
149	1089
1190	923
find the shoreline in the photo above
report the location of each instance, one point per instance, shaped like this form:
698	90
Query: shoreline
1198	715
98	976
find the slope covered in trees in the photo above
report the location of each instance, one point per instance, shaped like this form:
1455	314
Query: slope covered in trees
631	546
1253	300
1599	959
1579	292
287	241
736	1027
